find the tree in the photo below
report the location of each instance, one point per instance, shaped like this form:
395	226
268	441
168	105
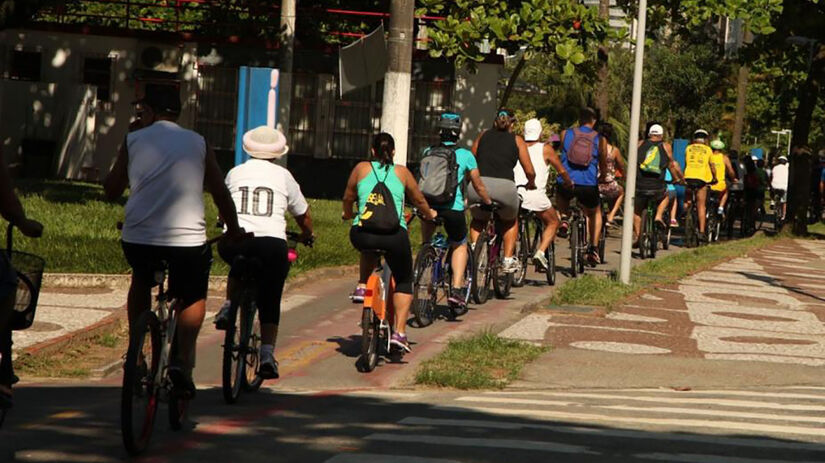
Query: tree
566	29
14	13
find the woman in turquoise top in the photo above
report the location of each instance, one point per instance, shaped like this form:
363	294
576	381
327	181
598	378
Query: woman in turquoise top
400	182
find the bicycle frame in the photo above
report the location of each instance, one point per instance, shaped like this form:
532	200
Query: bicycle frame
168	318
381	301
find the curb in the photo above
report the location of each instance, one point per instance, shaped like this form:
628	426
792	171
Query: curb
105	326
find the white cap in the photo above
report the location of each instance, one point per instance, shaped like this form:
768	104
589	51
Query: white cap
532	130
265	143
656	129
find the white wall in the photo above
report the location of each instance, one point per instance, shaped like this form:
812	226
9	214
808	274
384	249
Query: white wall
476	99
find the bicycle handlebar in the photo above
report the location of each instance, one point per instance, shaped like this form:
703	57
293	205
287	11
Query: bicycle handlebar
298	238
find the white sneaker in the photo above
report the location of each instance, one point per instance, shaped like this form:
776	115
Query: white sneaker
540	259
510	265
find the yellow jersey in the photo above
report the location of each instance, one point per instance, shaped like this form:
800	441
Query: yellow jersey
718	160
697	162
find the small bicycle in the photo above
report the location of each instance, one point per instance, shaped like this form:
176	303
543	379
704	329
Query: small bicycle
377	316
242	340
649	234
488	256
433	271
530	231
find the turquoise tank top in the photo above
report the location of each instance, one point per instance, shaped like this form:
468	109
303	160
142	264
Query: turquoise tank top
394	184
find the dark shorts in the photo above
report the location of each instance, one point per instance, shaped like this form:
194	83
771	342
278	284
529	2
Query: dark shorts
696	184
398	253
455	224
188	268
587	195
270	273
643	196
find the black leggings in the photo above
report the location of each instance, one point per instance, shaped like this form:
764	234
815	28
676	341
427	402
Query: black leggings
272	254
398	253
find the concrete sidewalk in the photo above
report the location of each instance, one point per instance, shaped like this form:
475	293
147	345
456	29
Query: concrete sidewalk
755	320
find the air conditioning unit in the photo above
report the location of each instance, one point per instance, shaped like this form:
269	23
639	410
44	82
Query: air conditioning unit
158	57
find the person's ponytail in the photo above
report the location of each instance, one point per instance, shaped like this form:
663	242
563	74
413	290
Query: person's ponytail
383	148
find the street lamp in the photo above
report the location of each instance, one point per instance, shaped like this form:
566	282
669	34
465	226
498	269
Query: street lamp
779	133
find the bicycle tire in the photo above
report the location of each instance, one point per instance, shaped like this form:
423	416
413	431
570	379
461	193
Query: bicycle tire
423	305
178	408
456	310
644	234
691	237
369	341
534	243
522	254
654	239
251	381
574	248
502	281
141	372
232	364
583	244
603	240
550	272
481	274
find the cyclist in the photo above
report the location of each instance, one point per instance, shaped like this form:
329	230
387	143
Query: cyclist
166	168
699	173
497	151
736	187
455	222
12	211
779	182
724	169
584	157
610	189
541	155
369	184
655	162
263	193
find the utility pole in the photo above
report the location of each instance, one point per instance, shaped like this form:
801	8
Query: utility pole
395	113
602	96
288	9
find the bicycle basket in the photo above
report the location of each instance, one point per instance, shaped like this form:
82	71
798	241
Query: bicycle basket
29	270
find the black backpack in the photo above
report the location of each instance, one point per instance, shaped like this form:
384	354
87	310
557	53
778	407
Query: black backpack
438	175
380	214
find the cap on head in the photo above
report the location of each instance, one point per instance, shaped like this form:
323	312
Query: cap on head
656	130
265	143
449	121
700	134
717	144
783	158
163	99
532	130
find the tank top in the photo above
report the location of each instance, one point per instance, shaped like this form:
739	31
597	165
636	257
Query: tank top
610	166
697	162
536	152
394	184
718	160
166	172
497	154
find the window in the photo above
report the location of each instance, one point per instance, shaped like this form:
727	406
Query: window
98	72
25	65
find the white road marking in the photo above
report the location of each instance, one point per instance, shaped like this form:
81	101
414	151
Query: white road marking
377	458
727	413
606	328
502	400
486	443
697	458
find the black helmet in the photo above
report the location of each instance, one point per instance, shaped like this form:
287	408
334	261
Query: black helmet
449	121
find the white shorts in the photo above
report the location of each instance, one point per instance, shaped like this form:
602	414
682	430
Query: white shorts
534	200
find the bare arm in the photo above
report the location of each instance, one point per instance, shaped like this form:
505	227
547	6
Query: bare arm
675	170
350	194
304	221
10	206
729	169
526	163
713	172
551	158
475	143
620	160
475	179
118	179
216	187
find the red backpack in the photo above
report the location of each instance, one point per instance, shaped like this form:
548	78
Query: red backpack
581	150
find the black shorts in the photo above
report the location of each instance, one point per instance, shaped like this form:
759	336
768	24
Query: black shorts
455	224
188	268
271	256
588	195
695	183
398	253
643	196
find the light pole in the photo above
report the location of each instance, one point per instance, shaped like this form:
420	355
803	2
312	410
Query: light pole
632	149
779	133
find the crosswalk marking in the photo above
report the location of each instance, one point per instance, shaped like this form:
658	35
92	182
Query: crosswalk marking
680	400
513	444
727	413
377	458
779	395
504	400
696	458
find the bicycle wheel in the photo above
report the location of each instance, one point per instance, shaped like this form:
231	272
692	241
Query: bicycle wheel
425	289
574	248
459	310
369	341
502	281
536	239
583	244
178	407
522	254
482	273
759	219
139	394
691	238
251	381
644	235
550	272
654	240
232	367
666	238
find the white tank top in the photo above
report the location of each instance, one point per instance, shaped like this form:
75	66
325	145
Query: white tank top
536	152
166	174
263	193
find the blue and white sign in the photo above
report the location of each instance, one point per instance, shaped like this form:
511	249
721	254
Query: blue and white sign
257	103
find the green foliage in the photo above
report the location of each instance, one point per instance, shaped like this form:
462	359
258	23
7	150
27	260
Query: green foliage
566	28
690	16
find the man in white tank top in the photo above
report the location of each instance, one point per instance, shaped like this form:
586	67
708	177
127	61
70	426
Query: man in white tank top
541	155
165	166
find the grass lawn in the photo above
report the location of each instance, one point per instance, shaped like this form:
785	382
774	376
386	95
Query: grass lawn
482	361
80	233
604	292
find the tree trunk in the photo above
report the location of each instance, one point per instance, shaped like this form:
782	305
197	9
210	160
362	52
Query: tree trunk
512	82
799	181
395	113
602	95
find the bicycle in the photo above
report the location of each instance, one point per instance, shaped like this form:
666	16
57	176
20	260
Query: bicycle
778	205
578	238
603	236
691	218
433	271
526	247
242	341
29	269
146	380
713	223
649	233
736	209
487	258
